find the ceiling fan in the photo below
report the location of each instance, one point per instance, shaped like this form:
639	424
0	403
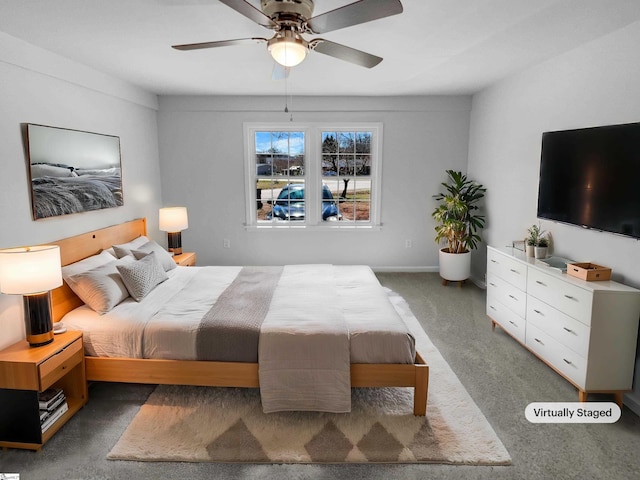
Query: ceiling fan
290	19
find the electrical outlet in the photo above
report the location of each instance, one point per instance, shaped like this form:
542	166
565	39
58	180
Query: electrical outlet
226	243
408	243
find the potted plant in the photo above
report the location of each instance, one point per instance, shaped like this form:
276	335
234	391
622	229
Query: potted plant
458	222
541	248
537	242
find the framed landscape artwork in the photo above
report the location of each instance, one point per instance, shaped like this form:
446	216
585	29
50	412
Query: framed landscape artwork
72	171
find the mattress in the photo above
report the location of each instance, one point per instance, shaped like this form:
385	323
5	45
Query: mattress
168	322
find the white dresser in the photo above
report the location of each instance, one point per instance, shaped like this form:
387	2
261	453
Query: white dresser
585	331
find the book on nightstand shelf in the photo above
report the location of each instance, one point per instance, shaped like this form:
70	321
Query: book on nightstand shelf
51	418
53	404
50	398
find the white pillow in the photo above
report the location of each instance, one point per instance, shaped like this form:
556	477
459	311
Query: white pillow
101	288
165	259
142	276
87	264
124	249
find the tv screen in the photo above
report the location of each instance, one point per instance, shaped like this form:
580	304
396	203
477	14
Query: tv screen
591	177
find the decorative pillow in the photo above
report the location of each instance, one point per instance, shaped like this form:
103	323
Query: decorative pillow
87	264
142	276
162	255
101	288
124	249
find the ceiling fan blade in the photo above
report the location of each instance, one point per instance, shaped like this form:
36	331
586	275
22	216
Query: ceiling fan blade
222	43
251	12
345	53
354	14
279	72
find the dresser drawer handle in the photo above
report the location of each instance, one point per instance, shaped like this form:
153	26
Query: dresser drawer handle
514	271
493	261
539	341
492	284
569	297
567	361
492	307
513	323
511	296
538	312
569	330
540	283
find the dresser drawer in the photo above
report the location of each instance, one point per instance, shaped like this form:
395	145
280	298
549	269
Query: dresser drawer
508	320
563	328
570	299
55	367
566	361
510	296
507	268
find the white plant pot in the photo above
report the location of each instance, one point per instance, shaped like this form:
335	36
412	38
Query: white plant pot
454	267
541	252
530	250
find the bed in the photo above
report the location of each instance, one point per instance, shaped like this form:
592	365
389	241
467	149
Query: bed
130	365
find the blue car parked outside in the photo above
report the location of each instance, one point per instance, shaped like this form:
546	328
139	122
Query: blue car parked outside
290	204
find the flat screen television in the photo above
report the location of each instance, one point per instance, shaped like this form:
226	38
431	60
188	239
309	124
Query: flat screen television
590	177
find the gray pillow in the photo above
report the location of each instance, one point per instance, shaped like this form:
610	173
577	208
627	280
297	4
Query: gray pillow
101	288
142	276
124	249
165	259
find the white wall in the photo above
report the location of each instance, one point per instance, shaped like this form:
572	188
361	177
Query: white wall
596	84
201	154
39	87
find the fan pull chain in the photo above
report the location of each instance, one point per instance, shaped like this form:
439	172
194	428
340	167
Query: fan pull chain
286	97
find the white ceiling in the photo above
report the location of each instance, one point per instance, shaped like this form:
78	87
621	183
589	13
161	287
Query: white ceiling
433	47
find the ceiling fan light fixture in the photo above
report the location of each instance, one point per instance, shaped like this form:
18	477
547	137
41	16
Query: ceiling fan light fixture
288	49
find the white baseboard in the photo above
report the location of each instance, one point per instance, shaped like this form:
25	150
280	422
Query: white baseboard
405	269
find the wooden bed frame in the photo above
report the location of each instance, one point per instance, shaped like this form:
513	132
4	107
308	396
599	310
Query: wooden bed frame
204	373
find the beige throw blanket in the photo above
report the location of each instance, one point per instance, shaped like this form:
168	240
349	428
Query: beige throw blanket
304	358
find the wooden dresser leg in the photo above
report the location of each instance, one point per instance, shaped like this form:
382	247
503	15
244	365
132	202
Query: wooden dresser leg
582	396
445	282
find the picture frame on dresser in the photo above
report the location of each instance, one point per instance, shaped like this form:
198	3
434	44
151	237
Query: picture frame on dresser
585	331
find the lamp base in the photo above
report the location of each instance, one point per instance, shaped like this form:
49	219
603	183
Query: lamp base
37	318
174	242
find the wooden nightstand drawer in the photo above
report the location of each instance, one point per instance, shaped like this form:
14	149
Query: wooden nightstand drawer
186	259
60	364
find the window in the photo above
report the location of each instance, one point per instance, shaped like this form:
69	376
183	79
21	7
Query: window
317	176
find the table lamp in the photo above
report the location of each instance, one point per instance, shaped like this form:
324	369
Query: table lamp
32	272
173	220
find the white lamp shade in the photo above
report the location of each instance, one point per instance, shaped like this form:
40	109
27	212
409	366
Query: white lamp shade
173	219
29	270
288	52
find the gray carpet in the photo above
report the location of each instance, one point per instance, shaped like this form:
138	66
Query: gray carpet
499	374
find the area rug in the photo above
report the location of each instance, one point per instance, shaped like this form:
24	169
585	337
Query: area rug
206	424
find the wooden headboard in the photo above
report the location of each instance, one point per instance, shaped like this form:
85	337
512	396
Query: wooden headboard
78	247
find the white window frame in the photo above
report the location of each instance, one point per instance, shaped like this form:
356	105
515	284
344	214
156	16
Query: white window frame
313	175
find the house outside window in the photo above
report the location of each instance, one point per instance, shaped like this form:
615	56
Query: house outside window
313	176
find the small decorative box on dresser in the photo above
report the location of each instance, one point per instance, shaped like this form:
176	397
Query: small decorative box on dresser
586	331
28	419
186	259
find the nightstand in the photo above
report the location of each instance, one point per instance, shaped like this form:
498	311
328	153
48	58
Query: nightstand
26	371
186	259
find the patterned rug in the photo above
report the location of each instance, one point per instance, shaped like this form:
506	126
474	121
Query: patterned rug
205	424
